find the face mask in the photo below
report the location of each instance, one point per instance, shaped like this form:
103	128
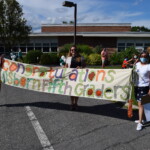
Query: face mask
135	57
143	60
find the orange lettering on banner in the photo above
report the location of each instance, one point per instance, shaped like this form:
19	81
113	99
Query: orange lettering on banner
35	69
23	81
5	61
99	72
13	67
50	74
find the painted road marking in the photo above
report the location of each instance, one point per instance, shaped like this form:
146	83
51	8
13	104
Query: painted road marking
46	145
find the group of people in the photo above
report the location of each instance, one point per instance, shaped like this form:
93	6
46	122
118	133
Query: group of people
104	58
17	55
141	64
131	62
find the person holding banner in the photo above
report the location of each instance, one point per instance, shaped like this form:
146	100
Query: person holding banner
1	64
133	60
74	60
142	84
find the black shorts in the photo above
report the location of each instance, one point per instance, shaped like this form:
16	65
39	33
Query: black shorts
140	92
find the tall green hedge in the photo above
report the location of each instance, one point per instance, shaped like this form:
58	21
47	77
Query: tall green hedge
49	59
32	56
94	59
45	59
118	57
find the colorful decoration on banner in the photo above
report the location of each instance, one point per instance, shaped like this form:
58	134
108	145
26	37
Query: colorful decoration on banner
109	84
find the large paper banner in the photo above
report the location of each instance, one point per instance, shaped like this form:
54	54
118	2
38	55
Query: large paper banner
108	84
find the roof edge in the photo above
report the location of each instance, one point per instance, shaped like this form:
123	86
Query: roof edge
89	24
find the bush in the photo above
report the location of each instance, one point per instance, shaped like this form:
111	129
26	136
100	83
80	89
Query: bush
54	58
45	59
97	49
32	56
81	49
116	58
129	52
94	59
65	49
84	49
86	57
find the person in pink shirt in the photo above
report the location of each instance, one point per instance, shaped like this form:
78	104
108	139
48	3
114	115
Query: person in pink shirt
104	57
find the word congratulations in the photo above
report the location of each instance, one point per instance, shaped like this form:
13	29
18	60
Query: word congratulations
82	75
92	83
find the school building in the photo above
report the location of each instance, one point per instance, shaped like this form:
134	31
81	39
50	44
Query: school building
114	36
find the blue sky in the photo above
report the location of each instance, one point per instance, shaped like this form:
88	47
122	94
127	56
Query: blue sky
37	12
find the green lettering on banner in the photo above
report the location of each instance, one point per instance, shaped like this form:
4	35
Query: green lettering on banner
36	83
4	75
28	71
10	78
91	83
81	73
109	74
79	89
126	90
60	90
16	80
108	92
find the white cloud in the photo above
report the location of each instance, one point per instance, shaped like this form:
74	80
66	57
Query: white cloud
137	2
39	12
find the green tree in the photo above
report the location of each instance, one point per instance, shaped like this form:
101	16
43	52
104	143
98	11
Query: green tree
140	28
13	26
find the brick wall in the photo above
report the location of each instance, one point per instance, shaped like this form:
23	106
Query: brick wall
91	41
86	28
108	42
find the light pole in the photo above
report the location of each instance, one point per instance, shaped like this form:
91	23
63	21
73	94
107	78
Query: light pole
71	4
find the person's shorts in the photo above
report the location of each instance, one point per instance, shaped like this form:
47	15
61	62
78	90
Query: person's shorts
103	62
140	92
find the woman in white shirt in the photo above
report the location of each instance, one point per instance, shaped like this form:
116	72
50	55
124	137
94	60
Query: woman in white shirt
142	84
74	60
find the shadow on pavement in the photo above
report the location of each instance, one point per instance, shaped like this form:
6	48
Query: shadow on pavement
114	110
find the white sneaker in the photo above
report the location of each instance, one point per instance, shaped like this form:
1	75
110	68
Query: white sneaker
137	121
139	127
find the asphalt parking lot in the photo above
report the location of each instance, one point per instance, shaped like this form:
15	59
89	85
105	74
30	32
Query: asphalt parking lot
35	121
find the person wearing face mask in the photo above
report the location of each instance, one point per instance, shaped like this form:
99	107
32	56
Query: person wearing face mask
74	60
142	84
133	60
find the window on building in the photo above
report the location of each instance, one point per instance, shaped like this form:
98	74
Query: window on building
139	44
130	44
30	46
46	47
121	47
23	48
54	47
146	45
38	46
